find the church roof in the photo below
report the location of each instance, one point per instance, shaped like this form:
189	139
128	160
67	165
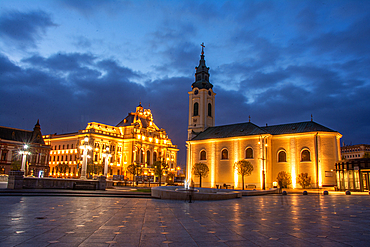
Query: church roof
249	129
232	130
292	128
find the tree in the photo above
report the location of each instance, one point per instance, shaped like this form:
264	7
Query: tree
304	180
160	168
366	155
244	168
284	179
201	170
133	169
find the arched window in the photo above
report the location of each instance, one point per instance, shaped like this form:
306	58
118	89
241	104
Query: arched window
224	154
154	157
282	156
305	155
203	155
209	110
148	157
141	156
249	153
196	107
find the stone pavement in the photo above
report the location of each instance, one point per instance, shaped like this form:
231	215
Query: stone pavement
273	220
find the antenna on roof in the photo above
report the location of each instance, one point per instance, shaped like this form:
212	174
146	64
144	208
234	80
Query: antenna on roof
249	118
311	118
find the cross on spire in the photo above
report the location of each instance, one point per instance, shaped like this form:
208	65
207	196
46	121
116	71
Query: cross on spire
202	45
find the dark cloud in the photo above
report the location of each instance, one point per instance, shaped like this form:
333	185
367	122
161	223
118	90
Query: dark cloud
90	7
24	29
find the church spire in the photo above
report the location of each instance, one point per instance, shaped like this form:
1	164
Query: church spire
202	73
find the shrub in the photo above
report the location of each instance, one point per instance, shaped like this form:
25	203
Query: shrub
304	180
284	179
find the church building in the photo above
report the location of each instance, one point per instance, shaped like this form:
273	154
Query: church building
303	147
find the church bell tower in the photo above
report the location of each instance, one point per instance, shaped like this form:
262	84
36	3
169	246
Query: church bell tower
201	100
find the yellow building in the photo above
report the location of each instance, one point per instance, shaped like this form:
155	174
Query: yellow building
135	140
304	147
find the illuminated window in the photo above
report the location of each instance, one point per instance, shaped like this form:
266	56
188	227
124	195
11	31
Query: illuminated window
203	155
209	110
249	153
224	154
196	107
282	156
305	155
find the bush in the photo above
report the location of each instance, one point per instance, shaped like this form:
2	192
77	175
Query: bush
304	180
284	179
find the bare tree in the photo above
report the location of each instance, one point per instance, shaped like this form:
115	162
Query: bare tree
243	168
201	170
159	169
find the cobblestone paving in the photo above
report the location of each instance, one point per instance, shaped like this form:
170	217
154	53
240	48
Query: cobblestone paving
293	220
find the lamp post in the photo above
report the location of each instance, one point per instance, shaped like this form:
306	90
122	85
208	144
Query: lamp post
85	147
106	155
24	153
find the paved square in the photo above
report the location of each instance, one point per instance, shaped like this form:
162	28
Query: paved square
274	220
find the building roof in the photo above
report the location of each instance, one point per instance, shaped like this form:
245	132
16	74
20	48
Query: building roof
23	136
232	130
292	128
132	118
249	129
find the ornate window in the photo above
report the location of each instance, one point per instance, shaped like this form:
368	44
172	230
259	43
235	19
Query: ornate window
209	110
154	157
196	108
224	154
282	156
305	155
249	153
203	155
148	157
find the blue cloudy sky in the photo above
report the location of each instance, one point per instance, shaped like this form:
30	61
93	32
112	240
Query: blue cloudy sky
74	61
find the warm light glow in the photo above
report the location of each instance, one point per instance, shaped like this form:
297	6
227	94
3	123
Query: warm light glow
320	177
156	141
150	139
86	139
138	136
294	179
164	141
25	146
143	138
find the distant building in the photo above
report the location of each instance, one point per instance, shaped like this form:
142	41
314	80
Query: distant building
12	143
135	140
304	147
354	151
353	171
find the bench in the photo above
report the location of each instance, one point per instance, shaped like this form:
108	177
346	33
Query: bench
250	186
84	186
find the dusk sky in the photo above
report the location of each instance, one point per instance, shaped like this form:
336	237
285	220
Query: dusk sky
71	62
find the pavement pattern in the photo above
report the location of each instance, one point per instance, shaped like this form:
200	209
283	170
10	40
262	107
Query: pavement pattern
272	220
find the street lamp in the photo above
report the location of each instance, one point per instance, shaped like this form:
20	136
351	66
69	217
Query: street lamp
85	147
106	155
24	154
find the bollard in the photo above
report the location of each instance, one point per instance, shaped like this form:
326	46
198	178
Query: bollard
325	193
305	192
284	193
348	193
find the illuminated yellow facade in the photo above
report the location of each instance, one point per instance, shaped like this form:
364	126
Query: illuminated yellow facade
135	140
304	147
